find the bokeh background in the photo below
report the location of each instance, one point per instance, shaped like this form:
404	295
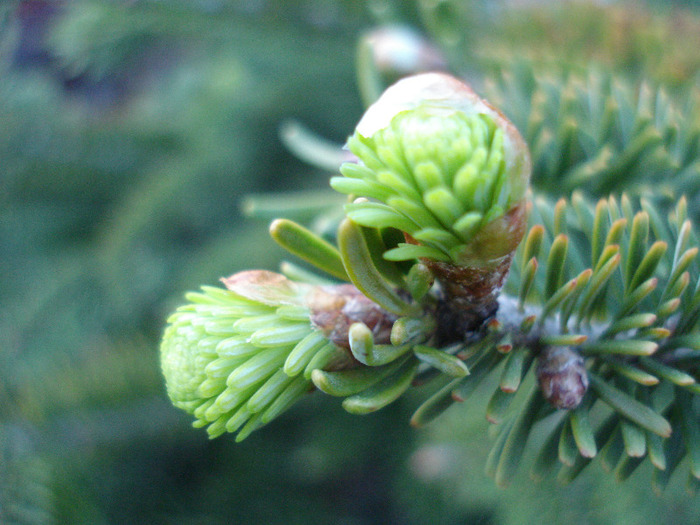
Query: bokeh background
131	132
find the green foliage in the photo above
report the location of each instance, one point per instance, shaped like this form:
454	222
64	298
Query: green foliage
25	491
614	281
637	304
602	133
124	158
132	134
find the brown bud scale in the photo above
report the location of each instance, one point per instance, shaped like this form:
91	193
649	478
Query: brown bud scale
335	308
562	376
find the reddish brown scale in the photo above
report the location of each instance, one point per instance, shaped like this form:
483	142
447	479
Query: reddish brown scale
335	308
471	288
562	376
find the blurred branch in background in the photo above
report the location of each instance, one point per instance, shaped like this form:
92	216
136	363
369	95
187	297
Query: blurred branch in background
131	132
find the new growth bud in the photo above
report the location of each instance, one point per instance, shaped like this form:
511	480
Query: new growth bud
237	358
447	161
451	172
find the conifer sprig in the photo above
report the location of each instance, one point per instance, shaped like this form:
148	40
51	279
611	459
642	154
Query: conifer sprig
595	326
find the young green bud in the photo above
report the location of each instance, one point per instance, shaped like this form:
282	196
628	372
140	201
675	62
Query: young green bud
443	158
237	358
223	355
452	173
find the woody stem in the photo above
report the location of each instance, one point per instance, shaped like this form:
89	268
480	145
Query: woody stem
470	296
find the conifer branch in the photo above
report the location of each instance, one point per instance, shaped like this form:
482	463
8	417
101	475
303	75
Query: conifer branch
595	313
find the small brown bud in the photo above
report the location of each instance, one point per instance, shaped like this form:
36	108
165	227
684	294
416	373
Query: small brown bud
562	376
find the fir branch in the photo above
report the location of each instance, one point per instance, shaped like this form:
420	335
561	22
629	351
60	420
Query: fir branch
598	315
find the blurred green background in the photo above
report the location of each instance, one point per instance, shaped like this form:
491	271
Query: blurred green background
131	132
